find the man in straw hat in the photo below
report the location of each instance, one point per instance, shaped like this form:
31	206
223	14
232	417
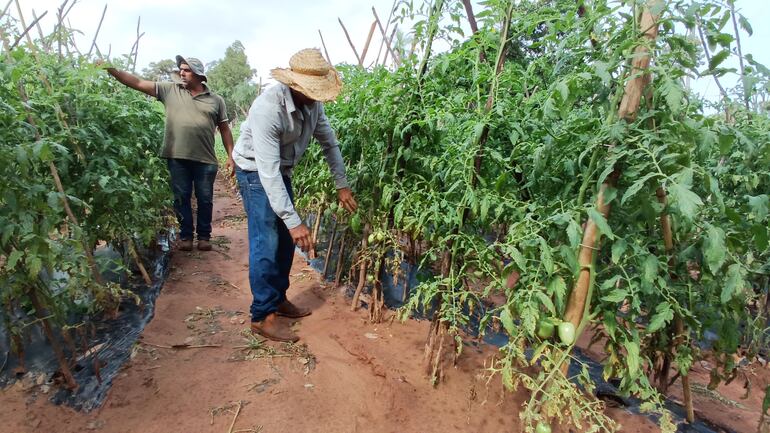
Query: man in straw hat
274	136
193	113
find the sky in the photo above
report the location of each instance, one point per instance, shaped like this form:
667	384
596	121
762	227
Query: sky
271	31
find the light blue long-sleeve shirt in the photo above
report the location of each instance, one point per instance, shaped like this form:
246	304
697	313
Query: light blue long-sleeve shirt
273	139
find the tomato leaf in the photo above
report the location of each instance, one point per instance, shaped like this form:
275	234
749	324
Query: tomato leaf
601	223
507	320
733	284
687	201
714	248
663	315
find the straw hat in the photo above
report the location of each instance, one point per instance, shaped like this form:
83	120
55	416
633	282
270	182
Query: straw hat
310	74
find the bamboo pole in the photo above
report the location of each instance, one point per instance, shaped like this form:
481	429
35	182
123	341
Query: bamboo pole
396	59
5	9
707	52
39	29
98	28
472	22
390	43
383	41
328	59
358	58
471	16
26	33
731	3
366	45
628	109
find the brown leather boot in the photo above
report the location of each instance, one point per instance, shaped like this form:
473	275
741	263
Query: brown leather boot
185	245
287	309
204	245
272	329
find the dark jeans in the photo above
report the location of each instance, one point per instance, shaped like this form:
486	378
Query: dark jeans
187	176
271	247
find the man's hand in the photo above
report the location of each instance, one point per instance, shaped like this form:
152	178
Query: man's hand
347	201
302	238
230	167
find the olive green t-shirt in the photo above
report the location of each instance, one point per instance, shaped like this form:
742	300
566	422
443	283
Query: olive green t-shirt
190	122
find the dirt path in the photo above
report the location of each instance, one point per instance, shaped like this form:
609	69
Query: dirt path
350	376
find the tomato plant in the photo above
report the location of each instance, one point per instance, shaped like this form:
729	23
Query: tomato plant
558	123
79	159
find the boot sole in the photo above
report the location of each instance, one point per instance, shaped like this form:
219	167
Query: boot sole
273	337
294	316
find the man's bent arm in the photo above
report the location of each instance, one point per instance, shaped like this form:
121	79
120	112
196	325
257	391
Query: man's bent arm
136	83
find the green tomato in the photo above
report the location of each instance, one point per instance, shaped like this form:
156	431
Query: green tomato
380	236
478	274
545	328
355	223
567	333
370	278
542	428
371	238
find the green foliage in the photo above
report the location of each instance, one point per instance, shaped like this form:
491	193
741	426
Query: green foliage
162	70
230	77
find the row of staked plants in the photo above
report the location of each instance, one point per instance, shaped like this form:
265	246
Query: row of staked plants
556	159
78	159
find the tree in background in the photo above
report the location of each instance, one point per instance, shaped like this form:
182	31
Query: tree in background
231	78
160	70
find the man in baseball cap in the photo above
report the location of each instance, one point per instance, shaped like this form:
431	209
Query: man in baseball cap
193	113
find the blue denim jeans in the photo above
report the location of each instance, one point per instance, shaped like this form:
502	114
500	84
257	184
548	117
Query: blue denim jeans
186	176
271	247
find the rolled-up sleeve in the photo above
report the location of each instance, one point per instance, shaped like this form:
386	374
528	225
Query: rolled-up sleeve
331	149
265	126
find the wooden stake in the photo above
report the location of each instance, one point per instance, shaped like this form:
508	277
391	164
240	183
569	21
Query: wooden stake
340	260
316	227
329	247
686	389
69	379
362	268
138	261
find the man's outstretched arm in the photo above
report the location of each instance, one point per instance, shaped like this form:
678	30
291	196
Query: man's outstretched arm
133	81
